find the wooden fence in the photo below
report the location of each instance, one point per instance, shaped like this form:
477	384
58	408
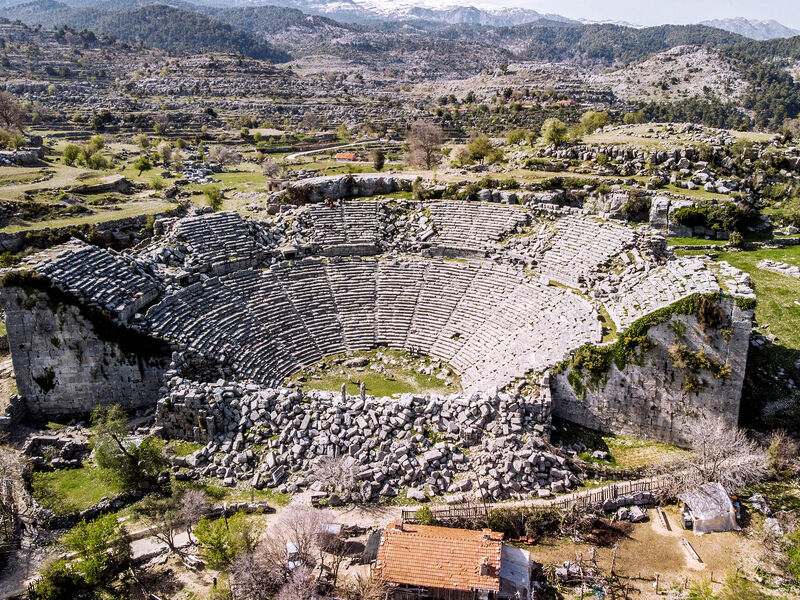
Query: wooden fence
459	512
583	499
598	496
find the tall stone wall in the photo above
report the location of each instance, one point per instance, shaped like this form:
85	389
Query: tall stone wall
648	398
67	359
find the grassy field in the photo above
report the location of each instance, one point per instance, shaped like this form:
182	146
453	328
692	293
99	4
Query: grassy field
777	294
677	241
624	452
183	447
101	215
217	493
768	401
70	490
396	378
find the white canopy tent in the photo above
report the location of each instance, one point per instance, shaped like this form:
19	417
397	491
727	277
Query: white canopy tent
710	508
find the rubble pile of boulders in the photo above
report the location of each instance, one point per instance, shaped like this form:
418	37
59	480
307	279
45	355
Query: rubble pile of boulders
489	443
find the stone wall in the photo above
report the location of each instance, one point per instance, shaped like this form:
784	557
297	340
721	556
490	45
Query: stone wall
68	360
319	189
648	399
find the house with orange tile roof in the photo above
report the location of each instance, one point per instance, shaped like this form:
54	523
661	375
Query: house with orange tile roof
346	156
442	563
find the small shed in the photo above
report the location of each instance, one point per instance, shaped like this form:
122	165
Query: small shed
709	509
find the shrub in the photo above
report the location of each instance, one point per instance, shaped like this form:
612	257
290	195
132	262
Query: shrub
637	206
142	164
71	152
425	516
125	462
214	197
214	539
736	240
58	580
157	183
102	548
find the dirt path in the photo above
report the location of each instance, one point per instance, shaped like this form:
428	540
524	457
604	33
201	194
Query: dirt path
307	152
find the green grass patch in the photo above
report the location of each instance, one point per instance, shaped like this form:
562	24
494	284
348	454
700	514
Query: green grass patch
624	452
125	211
400	375
71	490
780	495
776	293
183	447
217	493
682	241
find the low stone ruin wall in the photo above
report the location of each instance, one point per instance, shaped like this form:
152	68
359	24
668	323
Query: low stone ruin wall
319	189
275	437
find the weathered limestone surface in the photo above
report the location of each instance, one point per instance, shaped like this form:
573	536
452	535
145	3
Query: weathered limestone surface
649	400
64	366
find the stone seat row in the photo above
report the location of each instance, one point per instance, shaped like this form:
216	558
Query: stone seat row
105	278
270	323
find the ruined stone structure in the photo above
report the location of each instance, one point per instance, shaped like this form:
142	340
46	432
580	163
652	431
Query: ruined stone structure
501	292
689	371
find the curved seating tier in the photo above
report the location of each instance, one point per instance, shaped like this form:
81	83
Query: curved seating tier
112	281
491	323
582	245
350	223
645	291
472	226
223	241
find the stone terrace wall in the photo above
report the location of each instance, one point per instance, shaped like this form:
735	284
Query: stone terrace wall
63	362
335	187
649	400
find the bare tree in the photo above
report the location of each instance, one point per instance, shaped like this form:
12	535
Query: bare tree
425	144
301	586
165	150
271	168
193	505
310	120
225	156
253	578
365	587
298	526
164	516
720	453
12	113
335	473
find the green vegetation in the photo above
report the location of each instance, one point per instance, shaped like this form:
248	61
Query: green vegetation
183	447
624	452
57	580
123	462
424	516
223	539
70	490
214	197
776	293
102	547
554	132
725	216
399	375
676	241
633	344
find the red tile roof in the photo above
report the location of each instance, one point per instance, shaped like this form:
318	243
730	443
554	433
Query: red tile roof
440	557
346	156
